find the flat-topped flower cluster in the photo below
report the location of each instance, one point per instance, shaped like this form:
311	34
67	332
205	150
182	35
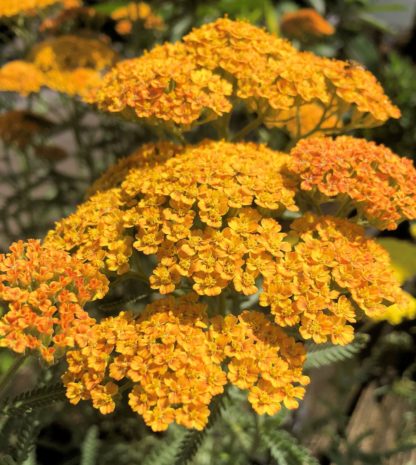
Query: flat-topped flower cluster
215	223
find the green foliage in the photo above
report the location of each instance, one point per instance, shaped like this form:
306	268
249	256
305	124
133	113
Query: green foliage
89	449
319	355
284	447
34	399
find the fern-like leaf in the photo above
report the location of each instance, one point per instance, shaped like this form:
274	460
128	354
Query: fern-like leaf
31	400
319	355
89	448
285	448
26	438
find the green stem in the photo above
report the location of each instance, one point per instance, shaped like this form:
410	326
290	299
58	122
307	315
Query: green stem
14	367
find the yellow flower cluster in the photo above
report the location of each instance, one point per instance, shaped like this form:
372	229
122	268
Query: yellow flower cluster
19	127
95	233
145	156
220	63
262	359
21	77
165	85
332	271
305	23
69	64
380	184
172	355
45	290
195	212
126	15
11	8
192	210
72	64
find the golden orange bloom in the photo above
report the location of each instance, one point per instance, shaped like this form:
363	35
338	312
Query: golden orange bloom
195	211
332	270
95	233
132	12
21	77
10	8
45	290
271	77
145	156
304	23
263	359
379	184
173	353
164	85
20	127
167	353
72	64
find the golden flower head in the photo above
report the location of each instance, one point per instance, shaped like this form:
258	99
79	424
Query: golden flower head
332	271
305	23
164	85
45	290
379	184
145	156
95	233
220	64
126	15
11	8
167	354
173	353
21	77
271	77
20	127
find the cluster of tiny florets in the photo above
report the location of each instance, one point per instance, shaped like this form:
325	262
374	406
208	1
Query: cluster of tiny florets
95	233
126	16
333	271
69	64
164	85
45	291
380	184
173	355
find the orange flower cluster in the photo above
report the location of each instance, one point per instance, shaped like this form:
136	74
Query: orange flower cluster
72	64
379	184
225	61
126	15
194	211
21	77
95	233
20	127
272	76
172	354
165	85
69	64
332	270
262	359
11	8
304	23
145	156
45	290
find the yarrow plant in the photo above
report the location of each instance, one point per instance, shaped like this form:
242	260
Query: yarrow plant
245	252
